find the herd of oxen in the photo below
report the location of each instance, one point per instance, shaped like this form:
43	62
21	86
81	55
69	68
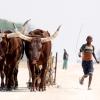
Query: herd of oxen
37	47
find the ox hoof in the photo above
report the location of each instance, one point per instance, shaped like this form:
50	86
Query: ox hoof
15	87
32	90
2	86
29	85
9	89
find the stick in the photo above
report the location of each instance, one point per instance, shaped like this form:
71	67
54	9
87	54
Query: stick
55	69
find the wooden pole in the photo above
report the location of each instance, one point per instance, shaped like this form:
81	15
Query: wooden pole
55	68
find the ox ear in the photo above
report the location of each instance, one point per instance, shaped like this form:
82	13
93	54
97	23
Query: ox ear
1	36
51	37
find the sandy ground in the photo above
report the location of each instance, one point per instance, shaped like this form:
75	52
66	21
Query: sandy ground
67	86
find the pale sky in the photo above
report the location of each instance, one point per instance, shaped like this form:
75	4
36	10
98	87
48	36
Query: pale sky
73	15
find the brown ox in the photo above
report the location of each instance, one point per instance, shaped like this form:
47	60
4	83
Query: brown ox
37	54
13	53
38	50
13	49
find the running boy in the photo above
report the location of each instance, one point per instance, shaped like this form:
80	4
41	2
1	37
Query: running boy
87	51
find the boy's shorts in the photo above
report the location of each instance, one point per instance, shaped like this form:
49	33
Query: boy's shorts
87	67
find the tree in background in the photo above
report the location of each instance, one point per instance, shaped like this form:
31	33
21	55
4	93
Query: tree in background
7	25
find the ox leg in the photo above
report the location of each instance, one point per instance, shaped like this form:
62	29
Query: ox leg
33	78
6	75
2	79
32	73
33	84
30	76
10	79
43	76
2	75
15	78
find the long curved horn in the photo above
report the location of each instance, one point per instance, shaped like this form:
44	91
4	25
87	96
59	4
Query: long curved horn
26	22
23	30
20	35
51	37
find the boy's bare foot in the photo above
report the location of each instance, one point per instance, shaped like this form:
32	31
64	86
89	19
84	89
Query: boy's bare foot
81	81
89	88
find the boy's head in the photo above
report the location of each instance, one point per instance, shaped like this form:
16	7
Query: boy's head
89	39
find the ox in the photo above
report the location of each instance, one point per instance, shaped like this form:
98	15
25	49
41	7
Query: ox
13	56
13	50
37	53
38	49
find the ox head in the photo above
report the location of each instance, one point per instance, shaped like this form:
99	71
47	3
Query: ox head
34	49
37	43
3	43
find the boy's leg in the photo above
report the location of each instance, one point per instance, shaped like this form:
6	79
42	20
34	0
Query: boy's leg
90	79
82	79
84	66
91	69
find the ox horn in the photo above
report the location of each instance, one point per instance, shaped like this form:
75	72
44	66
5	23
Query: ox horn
20	35
51	37
27	38
23	30
16	34
15	27
26	22
23	26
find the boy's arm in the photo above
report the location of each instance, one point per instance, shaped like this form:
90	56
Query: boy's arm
81	50
95	58
79	54
95	55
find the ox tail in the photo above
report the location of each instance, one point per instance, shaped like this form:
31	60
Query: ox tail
22	50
